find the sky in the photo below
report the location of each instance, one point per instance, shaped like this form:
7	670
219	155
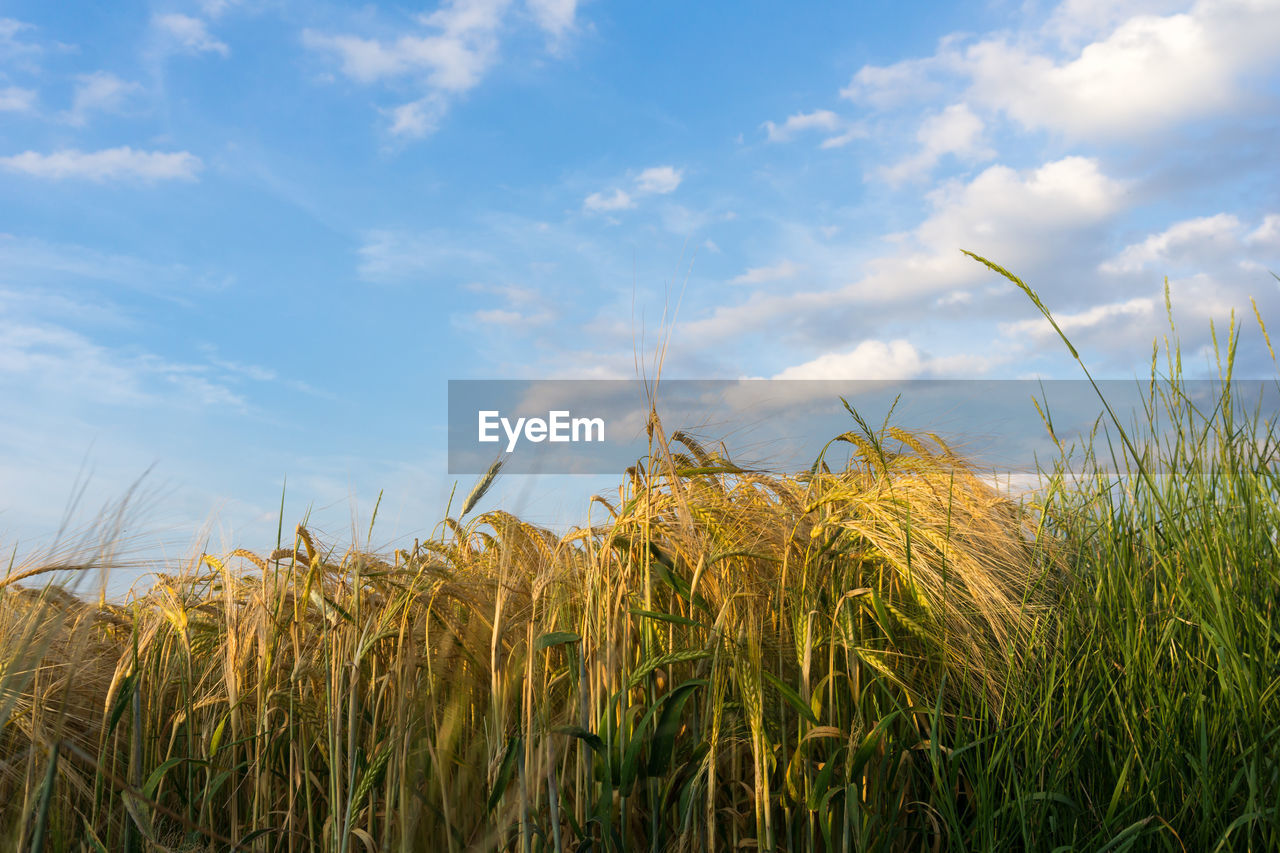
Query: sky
245	244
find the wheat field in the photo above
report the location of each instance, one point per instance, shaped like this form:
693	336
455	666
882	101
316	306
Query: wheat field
882	652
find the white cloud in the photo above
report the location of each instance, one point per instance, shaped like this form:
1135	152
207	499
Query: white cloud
524	307
368	60
956	297
417	119
16	100
656	180
1122	69
44	352
605	202
100	91
1148	74
50	356
1266	234
10	27
216	8
252	371
1197	238
458	48
14	48
1128	312
1213	265
555	17
856	132
498	317
884	86
659	180
1021	219
819	120
759	311
512	293
801	122
454	58
757	275
511	318
955	130
871	359
1077	22
109	164
190	34
1202	296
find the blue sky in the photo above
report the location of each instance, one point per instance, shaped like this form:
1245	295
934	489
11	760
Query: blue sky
245	241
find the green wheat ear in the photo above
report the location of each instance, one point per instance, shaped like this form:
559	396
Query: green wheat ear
481	486
1031	294
1263	326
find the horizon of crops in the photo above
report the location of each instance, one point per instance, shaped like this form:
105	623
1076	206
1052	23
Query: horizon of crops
883	652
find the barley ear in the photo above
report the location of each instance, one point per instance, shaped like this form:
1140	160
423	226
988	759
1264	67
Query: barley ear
481	486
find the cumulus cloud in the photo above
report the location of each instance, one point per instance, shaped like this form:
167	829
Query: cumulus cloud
1267	234
872	359
1074	23
1148	74
1025	219
956	130
875	359
1114	313
757	275
1199	238
658	180
460	46
189	34
1140	73
109	164
1020	217
1214	264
